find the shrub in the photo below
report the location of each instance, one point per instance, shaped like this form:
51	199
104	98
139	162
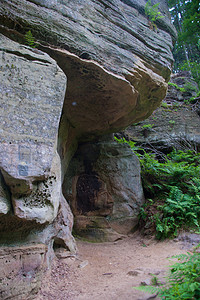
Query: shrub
183	281
151	11
174	186
29	39
147	126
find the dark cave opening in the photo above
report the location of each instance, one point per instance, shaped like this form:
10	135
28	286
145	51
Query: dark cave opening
59	243
87	187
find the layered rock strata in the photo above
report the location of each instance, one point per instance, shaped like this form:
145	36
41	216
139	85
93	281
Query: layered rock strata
96	67
103	187
32	88
175	124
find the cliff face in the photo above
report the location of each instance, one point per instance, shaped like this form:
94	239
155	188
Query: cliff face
175	124
97	68
33	214
112	56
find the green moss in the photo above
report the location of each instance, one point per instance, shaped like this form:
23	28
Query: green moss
177	87
147	126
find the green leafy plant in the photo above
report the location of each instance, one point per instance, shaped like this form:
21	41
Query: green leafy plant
151	11
179	210
183	281
172	122
132	144
164	104
193	100
148	126
175	187
172	191
154	280
30	40
177	87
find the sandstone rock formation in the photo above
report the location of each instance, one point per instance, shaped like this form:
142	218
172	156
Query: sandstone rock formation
104	189
184	87
98	67
32	88
111	50
175	124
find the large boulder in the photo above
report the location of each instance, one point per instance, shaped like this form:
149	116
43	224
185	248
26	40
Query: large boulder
32	88
103	187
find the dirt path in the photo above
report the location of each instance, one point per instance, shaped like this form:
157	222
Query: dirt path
108	271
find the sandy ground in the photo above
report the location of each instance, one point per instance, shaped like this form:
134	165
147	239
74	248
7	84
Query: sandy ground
108	271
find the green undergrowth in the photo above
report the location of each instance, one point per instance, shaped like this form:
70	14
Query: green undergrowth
151	11
188	86
183	281
177	87
172	191
30	40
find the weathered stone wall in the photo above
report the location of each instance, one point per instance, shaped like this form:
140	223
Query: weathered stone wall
98	67
32	94
103	187
113	56
175	124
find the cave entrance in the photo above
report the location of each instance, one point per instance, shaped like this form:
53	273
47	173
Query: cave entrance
87	189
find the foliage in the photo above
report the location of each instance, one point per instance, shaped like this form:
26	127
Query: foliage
164	105
185	16
193	100
151	11
178	210
174	184
148	126
194	68
30	40
172	122
183	281
176	86
130	143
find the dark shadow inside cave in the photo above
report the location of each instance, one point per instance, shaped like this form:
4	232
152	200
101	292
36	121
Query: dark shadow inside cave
87	188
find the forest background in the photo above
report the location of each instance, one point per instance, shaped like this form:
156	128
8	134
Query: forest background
186	18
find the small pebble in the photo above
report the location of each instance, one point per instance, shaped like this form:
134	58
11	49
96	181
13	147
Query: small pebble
83	264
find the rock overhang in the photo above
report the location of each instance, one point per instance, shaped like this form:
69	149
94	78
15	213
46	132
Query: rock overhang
115	63
117	69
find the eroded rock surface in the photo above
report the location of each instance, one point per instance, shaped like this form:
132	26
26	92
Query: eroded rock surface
117	66
175	124
183	87
117	70
21	270
104	189
5	201
33	89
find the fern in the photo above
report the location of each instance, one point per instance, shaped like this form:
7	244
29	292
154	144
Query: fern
183	281
151	11
29	39
175	187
